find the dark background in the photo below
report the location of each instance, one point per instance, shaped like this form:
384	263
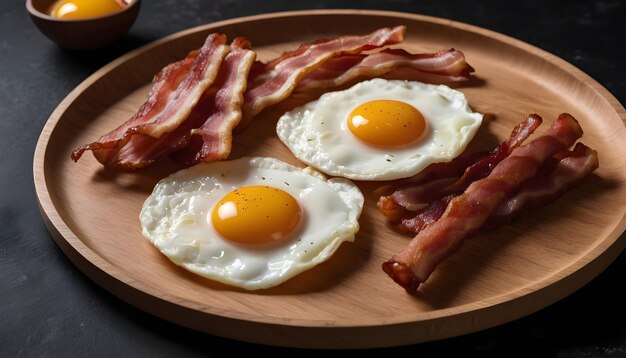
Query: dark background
49	308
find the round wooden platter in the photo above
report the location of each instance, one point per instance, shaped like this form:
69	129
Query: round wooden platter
346	302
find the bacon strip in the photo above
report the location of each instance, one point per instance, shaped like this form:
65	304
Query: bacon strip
185	113
273	82
436	199
176	90
483	167
221	103
432	186
540	190
441	67
213	140
467	212
558	176
164	84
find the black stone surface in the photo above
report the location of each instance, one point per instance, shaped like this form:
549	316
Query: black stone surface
49	308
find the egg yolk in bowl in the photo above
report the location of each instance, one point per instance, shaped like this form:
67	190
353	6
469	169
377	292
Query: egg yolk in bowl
85	9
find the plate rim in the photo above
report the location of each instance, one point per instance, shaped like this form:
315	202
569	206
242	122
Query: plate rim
77	251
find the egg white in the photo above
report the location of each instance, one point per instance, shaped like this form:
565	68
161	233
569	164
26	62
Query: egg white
317	133
176	219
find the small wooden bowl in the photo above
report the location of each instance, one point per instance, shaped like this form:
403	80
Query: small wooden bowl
82	34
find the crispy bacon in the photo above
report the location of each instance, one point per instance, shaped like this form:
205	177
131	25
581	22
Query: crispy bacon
176	90
556	175
221	111
187	114
142	149
272	82
434	185
483	167
467	212
539	190
220	104
441	67
164	84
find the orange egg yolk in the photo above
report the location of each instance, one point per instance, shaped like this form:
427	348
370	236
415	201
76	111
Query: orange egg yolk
386	123
256	215
84	9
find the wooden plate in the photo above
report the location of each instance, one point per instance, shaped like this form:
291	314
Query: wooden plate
348	301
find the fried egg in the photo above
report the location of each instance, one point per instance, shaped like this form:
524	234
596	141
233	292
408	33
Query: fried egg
380	129
252	222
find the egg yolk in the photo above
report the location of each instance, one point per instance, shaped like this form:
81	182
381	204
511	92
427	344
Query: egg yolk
386	123
84	9
256	215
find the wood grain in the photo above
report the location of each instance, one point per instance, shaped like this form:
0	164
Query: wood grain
347	302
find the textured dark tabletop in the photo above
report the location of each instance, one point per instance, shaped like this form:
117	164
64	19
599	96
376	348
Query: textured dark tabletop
49	308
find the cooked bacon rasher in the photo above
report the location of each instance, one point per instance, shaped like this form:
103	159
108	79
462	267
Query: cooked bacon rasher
272	82
441	67
215	114
530	175
220	111
543	189
175	93
195	103
434	186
